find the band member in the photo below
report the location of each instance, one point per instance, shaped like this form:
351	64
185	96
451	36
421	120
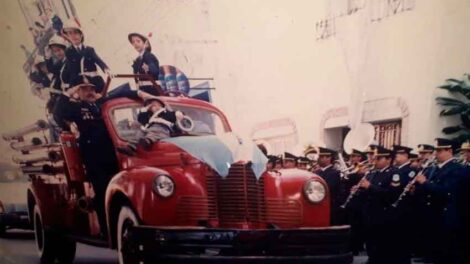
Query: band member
271	162
425	153
332	177
96	147
278	163
402	162
414	161
81	59
381	188
370	152
463	208
289	161
303	163
465	152
145	63
405	214
311	153
439	192
354	209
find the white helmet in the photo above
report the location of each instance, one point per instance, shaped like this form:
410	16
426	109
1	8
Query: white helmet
57	41
71	24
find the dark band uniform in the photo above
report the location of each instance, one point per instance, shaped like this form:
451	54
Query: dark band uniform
354	208
440	206
332	177
385	187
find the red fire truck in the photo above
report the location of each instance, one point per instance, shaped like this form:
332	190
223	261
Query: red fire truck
172	205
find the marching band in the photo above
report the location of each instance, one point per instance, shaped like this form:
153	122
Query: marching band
401	206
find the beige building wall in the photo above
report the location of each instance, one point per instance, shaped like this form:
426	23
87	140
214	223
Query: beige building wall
265	57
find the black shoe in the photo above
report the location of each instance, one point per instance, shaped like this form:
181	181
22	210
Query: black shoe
146	143
126	150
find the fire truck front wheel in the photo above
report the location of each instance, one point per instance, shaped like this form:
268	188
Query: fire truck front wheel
127	218
2	230
51	246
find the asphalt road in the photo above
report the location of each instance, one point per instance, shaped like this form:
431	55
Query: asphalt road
19	247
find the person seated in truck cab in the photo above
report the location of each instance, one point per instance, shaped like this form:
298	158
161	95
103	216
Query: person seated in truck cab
157	122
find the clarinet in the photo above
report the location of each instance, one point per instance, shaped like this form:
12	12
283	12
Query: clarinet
407	188
352	194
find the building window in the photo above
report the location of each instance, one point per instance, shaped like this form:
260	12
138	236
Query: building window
388	134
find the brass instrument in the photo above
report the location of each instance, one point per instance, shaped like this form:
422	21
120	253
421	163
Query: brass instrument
429	163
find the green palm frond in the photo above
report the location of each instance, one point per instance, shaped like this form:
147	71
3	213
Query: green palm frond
447	101
451	130
453	111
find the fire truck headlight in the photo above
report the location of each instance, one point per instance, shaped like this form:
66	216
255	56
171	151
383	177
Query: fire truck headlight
163	185
314	191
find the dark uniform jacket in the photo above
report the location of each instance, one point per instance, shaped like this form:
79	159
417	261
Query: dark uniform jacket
154	70
332	178
40	78
386	186
144	118
91	59
57	68
440	195
95	143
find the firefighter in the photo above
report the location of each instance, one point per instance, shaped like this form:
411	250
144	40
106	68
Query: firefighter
145	63
81	59
332	177
56	65
439	192
158	122
96	147
380	189
39	76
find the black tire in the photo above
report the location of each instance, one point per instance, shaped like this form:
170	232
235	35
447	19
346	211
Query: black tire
66	251
126	219
50	245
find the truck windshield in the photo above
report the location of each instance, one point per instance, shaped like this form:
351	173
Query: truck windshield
206	122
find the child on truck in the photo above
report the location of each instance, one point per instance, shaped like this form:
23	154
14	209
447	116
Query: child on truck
157	122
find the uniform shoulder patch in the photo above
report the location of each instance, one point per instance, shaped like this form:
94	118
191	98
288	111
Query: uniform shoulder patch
395	180
412	174
396	177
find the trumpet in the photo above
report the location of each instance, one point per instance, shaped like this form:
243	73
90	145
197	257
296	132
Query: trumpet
429	163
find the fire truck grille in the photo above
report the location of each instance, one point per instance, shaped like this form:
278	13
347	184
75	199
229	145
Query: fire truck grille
283	212
240	198
192	209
